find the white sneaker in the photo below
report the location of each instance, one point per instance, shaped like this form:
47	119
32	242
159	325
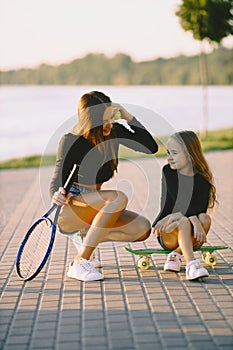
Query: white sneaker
195	270
83	271
94	262
78	243
173	262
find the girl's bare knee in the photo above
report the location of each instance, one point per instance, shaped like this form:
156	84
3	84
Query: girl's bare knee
184	224
205	220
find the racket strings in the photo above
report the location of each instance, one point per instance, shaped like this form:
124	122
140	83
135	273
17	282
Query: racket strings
35	248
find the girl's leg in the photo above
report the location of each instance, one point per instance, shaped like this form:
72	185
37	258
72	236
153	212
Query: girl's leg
186	242
205	220
180	239
185	239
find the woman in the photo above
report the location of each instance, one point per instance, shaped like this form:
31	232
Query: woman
100	215
187	192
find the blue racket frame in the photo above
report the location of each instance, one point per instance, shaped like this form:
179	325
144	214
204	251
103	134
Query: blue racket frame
52	233
52	237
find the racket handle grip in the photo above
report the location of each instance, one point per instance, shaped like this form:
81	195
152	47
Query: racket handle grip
70	179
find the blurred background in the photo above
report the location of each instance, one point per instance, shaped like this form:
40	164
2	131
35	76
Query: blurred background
153	56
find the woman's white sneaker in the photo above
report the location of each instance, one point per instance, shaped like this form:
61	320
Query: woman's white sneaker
78	243
83	271
195	270
173	262
94	262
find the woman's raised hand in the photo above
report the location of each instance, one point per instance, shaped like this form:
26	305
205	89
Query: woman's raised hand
122	112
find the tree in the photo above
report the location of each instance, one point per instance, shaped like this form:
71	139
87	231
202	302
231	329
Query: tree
209	20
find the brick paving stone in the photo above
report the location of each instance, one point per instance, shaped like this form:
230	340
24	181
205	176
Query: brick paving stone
130	309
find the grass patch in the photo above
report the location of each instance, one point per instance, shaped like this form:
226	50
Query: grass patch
218	140
28	162
215	140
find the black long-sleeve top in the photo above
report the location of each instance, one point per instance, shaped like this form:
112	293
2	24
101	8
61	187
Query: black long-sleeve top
181	193
95	166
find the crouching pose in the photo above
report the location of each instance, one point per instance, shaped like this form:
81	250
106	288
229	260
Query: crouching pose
99	215
187	192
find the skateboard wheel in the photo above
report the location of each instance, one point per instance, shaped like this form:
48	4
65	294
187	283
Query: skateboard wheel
143	263
211	259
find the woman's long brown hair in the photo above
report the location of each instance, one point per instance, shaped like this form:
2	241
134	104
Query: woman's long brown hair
91	108
193	149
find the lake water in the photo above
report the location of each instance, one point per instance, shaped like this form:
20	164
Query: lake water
34	117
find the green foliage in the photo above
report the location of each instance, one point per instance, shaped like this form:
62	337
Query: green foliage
207	19
97	69
215	140
218	140
28	162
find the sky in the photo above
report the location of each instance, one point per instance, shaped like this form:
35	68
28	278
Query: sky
33	32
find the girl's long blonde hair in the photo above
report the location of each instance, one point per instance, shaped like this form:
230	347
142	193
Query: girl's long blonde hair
192	146
91	108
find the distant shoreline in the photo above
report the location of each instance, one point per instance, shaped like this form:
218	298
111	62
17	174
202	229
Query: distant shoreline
121	69
216	140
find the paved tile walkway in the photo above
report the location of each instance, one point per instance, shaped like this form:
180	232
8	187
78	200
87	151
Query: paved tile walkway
130	309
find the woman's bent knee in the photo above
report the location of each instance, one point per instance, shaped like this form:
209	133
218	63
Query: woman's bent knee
122	198
115	201
143	228
146	225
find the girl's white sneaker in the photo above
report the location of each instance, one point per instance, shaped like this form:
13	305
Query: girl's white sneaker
195	270
173	262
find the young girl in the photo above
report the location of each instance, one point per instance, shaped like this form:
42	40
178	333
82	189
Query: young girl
187	192
100	215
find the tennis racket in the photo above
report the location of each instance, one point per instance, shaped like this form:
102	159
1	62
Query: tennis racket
37	244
